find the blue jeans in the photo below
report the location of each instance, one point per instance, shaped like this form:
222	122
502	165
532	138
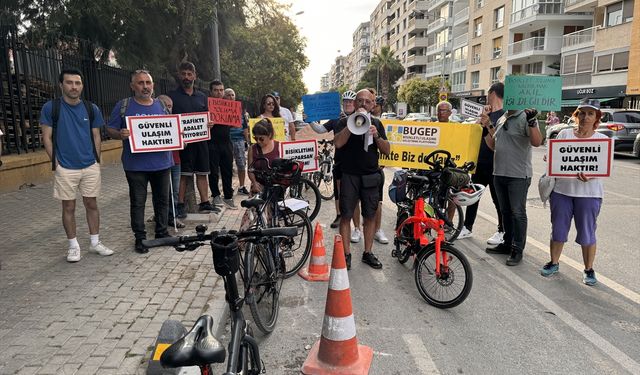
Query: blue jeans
138	182
512	198
175	186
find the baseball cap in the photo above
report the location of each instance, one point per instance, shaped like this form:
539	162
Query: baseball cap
589	103
275	93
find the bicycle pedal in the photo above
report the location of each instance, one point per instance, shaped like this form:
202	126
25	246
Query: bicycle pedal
287	254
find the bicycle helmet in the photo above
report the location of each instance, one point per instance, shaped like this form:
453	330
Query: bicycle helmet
379	100
468	195
349	95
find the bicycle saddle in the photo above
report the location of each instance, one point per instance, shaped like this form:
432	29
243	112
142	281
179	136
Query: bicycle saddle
197	348
252	202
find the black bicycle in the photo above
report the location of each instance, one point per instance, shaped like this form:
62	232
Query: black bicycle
323	177
199	347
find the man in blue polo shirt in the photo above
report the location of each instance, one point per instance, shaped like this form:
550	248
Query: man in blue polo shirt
76	164
143	168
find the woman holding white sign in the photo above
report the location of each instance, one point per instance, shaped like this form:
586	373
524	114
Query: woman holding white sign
579	198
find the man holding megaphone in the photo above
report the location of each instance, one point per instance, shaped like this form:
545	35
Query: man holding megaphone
359	138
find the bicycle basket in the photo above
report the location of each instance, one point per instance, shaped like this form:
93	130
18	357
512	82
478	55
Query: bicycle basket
226	259
456	178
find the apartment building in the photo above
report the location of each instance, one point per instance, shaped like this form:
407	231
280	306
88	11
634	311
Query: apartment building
360	54
379	25
633	75
336	74
325	83
596	59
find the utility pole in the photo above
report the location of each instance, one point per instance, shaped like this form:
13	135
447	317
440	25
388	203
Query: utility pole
215	46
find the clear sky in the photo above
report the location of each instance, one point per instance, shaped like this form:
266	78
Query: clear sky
328	26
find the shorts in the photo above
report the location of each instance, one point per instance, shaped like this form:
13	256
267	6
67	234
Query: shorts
194	159
381	191
67	182
337	175
239	154
352	190
584	211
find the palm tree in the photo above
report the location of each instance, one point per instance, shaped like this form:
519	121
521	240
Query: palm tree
384	62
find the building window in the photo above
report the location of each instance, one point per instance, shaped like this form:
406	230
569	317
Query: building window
614	14
534	68
479	4
585	62
497	48
569	64
475	79
494	74
475	52
477	27
621	61
498	17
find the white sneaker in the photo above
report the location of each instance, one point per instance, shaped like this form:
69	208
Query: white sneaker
496	239
465	233
73	255
101	249
380	237
356	235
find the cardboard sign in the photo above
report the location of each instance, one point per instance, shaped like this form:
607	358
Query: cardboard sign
154	133
543	93
194	127
568	157
412	141
225	112
324	106
470	109
304	151
278	127
401	109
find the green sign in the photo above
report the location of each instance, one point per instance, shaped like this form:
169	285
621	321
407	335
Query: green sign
543	93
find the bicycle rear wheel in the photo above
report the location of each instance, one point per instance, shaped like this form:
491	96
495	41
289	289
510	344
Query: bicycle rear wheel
453	285
324	180
307	191
262	291
402	252
295	250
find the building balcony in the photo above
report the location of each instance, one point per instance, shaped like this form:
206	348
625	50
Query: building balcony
439	24
422	5
538	15
417	41
611	37
461	16
461	40
417	24
535	10
537	46
571	6
434	68
438	48
579	39
434	4
459	65
458	87
413	60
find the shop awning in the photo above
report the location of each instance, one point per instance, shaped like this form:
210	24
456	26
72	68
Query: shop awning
575	102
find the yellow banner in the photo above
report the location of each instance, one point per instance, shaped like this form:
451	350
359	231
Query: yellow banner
412	141
278	127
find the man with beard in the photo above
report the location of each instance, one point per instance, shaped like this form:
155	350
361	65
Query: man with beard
194	158
220	156
145	168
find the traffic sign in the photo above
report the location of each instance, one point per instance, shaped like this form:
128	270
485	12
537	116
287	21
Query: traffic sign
442	96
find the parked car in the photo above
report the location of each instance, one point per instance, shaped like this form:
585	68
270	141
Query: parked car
553	130
389	115
621	125
415	116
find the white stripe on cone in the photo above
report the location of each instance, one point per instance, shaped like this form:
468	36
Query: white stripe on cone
317	260
339	279
339	329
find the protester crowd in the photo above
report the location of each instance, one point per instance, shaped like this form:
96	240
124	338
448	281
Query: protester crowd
71	133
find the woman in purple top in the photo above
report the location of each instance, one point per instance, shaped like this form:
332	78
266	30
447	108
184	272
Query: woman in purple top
265	147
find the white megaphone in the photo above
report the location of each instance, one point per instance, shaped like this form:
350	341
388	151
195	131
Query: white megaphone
358	123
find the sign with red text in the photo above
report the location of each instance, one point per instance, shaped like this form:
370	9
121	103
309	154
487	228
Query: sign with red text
154	133
195	127
568	157
225	112
304	151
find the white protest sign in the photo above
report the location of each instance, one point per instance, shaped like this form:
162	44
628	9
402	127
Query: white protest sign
470	109
568	157
194	127
305	151
154	133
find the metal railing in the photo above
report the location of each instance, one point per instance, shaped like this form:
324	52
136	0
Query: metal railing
457	87
551	45
461	40
461	16
541	7
570	3
459	64
579	38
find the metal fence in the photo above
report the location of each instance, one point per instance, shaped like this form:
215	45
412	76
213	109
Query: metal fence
29	78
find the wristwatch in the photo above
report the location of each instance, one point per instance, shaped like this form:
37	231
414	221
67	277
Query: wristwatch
533	123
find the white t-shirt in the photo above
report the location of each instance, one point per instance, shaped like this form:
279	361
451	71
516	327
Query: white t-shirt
573	187
288	118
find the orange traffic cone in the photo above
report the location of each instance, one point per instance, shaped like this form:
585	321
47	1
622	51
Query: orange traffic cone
338	351
318	269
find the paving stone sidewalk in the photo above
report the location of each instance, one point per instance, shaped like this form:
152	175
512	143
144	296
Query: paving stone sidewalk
102	314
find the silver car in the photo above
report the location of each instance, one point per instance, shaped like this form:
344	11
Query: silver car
621	125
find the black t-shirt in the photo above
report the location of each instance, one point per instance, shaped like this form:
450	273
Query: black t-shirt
485	155
353	158
185	103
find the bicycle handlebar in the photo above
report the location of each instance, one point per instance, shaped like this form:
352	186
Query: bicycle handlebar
267	232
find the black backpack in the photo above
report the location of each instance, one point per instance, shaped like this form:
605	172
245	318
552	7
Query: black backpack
55	115
398	187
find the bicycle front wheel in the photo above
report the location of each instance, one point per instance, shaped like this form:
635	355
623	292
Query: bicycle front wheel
307	191
295	250
324	180
262	291
452	286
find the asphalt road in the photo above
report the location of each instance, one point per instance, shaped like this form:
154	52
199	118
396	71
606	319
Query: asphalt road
513	322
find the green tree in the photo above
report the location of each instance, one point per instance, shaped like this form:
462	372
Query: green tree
418	92
386	64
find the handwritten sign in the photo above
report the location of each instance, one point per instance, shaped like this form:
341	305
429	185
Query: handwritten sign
412	141
304	151
278	127
194	127
568	157
470	109
154	133
543	93
324	106
225	112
